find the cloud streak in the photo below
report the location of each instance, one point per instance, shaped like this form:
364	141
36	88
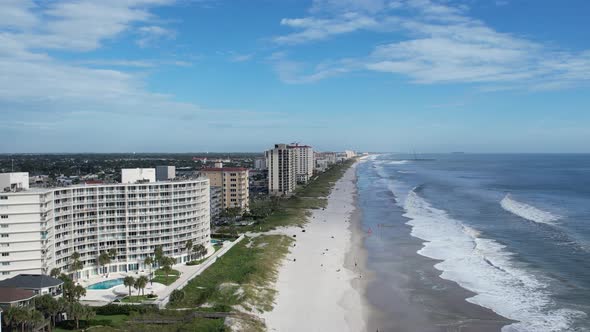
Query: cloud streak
439	43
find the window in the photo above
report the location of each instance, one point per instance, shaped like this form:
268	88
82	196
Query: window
4	226
4	216
4	235
5	263
5	254
5	273
3	197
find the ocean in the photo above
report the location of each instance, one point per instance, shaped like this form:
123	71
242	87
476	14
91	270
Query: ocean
476	242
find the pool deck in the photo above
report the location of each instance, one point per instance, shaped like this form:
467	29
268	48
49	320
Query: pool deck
100	297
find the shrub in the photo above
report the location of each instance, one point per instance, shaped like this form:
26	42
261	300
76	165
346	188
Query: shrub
177	295
115	309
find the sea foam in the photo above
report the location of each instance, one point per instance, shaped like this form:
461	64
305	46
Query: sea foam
486	268
527	211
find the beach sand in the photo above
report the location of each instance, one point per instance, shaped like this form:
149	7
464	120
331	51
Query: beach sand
319	287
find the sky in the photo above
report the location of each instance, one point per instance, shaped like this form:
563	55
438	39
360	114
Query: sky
241	75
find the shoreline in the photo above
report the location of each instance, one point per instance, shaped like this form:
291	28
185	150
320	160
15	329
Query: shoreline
318	287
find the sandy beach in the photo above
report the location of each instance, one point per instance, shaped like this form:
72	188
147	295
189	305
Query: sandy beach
321	283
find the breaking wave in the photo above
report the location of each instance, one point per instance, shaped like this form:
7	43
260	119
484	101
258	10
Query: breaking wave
527	211
486	268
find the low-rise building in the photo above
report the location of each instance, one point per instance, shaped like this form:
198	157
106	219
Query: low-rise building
15	297
37	283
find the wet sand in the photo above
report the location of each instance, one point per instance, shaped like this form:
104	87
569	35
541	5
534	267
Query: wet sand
406	291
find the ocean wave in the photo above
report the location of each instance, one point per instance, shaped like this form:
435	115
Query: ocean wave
527	211
486	268
406	172
398	162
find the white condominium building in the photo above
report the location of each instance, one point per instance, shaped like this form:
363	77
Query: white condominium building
304	162
281	170
41	228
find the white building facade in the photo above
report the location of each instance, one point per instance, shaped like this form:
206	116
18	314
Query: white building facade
304	162
281	170
41	228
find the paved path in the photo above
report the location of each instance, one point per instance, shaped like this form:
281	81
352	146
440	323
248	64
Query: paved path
189	272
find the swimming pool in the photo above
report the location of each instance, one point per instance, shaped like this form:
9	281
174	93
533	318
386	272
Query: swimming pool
106	284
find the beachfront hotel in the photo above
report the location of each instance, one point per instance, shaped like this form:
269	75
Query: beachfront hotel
40	228
304	162
234	184
281	170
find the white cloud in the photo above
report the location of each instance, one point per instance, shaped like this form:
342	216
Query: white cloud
317	28
440	44
31	80
152	34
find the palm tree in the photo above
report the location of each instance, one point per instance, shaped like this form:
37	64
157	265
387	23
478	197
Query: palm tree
47	305
75	264
17	316
167	263
104	259
149	262
36	319
158	255
113	253
200	250
140	284
129	281
188	246
55	272
76	311
88	314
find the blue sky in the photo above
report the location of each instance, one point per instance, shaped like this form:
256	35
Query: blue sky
240	75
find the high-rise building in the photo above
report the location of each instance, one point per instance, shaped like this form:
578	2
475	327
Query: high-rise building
281	170
304	162
165	173
41	228
234	183
260	163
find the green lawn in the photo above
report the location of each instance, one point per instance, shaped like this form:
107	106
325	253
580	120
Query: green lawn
136	299
244	275
161	278
293	211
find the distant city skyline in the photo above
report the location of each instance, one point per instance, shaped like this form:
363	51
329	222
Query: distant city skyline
240	76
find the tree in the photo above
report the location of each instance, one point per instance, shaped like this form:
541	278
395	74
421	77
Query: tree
149	262
71	291
167	263
129	281
113	253
88	314
75	264
49	306
200	250
16	316
104	259
140	284
55	272
158	255
76	311
188	246
36	319
177	295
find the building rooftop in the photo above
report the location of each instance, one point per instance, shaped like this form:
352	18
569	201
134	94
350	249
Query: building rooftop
223	169
9	294
30	281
